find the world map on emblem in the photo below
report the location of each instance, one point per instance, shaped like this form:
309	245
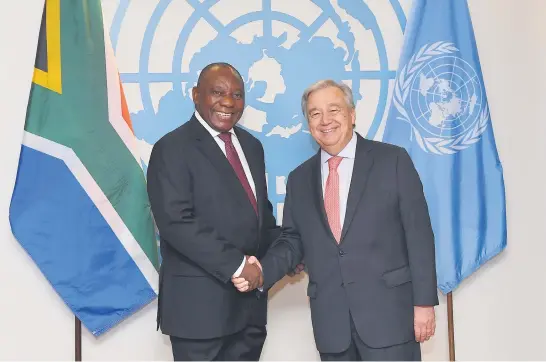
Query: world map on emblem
445	98
278	48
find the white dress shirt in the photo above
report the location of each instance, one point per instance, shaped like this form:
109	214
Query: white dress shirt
242	157
345	172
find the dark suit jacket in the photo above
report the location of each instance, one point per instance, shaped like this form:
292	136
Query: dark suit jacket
206	225
384	264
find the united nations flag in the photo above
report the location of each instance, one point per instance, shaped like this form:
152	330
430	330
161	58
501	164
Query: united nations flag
439	113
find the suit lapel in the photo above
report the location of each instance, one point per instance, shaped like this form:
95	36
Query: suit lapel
318	195
361	170
208	146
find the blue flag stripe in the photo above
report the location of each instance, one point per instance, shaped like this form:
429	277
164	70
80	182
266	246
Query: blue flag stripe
73	245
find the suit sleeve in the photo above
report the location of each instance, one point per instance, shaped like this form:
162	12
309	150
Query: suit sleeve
270	228
287	251
418	232
170	194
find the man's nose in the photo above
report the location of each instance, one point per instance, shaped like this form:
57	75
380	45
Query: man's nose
325	120
227	101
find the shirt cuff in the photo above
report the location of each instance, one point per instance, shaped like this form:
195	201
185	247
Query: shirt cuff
240	269
261	289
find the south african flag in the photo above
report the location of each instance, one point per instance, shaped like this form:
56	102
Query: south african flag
80	207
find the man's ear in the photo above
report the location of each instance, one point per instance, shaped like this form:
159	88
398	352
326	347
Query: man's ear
194	95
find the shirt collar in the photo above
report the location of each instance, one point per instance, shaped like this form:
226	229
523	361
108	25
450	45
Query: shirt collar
348	152
212	132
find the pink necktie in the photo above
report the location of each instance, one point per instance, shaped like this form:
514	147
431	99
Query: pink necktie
331	197
235	162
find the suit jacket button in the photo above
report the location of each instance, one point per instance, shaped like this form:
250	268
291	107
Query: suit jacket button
341	252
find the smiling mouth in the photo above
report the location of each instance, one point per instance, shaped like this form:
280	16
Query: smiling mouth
223	115
330	130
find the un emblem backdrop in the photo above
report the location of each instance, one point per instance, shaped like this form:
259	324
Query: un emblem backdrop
279	46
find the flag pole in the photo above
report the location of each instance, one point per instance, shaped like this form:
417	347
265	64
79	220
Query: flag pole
78	340
450	328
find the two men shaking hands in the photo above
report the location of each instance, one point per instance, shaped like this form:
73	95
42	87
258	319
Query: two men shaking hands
355	212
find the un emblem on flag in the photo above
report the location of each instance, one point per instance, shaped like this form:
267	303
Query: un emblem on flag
440	95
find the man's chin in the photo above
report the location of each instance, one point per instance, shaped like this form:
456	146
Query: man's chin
330	146
328	141
222	125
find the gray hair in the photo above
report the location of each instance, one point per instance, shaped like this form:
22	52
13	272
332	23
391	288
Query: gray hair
326	83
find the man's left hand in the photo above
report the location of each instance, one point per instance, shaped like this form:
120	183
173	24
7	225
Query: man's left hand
299	268
424	323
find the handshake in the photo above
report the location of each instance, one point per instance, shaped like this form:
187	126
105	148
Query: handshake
252	276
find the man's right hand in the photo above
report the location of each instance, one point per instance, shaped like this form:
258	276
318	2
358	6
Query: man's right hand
248	280
251	276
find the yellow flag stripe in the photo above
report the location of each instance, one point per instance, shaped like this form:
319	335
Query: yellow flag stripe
52	78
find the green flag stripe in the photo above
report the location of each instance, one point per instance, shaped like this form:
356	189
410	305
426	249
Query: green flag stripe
78	119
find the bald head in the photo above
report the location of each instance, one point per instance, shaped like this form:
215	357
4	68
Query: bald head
216	66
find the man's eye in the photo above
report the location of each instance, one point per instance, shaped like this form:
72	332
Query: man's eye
216	93
238	96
